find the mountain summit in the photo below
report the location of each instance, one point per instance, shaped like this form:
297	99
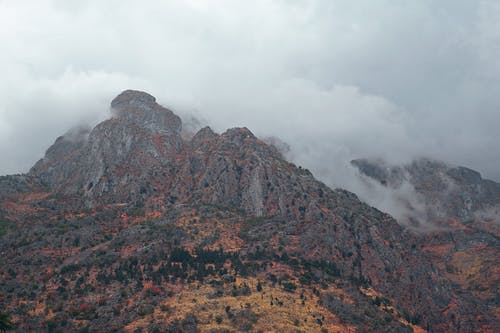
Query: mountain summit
141	109
139	154
131	227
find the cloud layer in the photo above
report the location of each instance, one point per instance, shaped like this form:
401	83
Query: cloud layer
335	79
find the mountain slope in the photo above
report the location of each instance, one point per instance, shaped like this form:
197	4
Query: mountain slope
461	213
131	227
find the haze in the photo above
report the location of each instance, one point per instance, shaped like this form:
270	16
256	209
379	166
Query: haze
336	80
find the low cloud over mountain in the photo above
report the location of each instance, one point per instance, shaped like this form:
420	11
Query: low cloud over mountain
335	80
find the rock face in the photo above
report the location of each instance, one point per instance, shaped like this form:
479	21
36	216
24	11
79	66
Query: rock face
140	153
119	155
131	208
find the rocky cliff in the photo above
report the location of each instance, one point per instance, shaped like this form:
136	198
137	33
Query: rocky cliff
131	227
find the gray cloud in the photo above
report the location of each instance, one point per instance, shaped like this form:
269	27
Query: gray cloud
336	80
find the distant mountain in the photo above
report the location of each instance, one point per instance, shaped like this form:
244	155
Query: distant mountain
446	191
133	227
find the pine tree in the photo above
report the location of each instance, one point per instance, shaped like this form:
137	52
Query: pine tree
5	322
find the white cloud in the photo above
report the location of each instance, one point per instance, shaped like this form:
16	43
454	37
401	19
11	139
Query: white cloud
336	79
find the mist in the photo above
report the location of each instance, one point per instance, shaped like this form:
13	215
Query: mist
335	80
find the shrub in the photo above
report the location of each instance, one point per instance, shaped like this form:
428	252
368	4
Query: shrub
289	286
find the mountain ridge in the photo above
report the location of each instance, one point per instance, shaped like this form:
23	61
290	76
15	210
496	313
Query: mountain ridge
445	190
133	192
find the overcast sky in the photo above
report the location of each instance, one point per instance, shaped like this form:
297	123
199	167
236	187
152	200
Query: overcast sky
335	79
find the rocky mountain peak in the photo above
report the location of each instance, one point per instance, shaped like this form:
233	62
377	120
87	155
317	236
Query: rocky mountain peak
204	136
133	211
140	108
238	135
132	97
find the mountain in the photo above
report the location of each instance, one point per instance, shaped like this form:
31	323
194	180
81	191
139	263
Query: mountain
131	226
460	212
445	191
